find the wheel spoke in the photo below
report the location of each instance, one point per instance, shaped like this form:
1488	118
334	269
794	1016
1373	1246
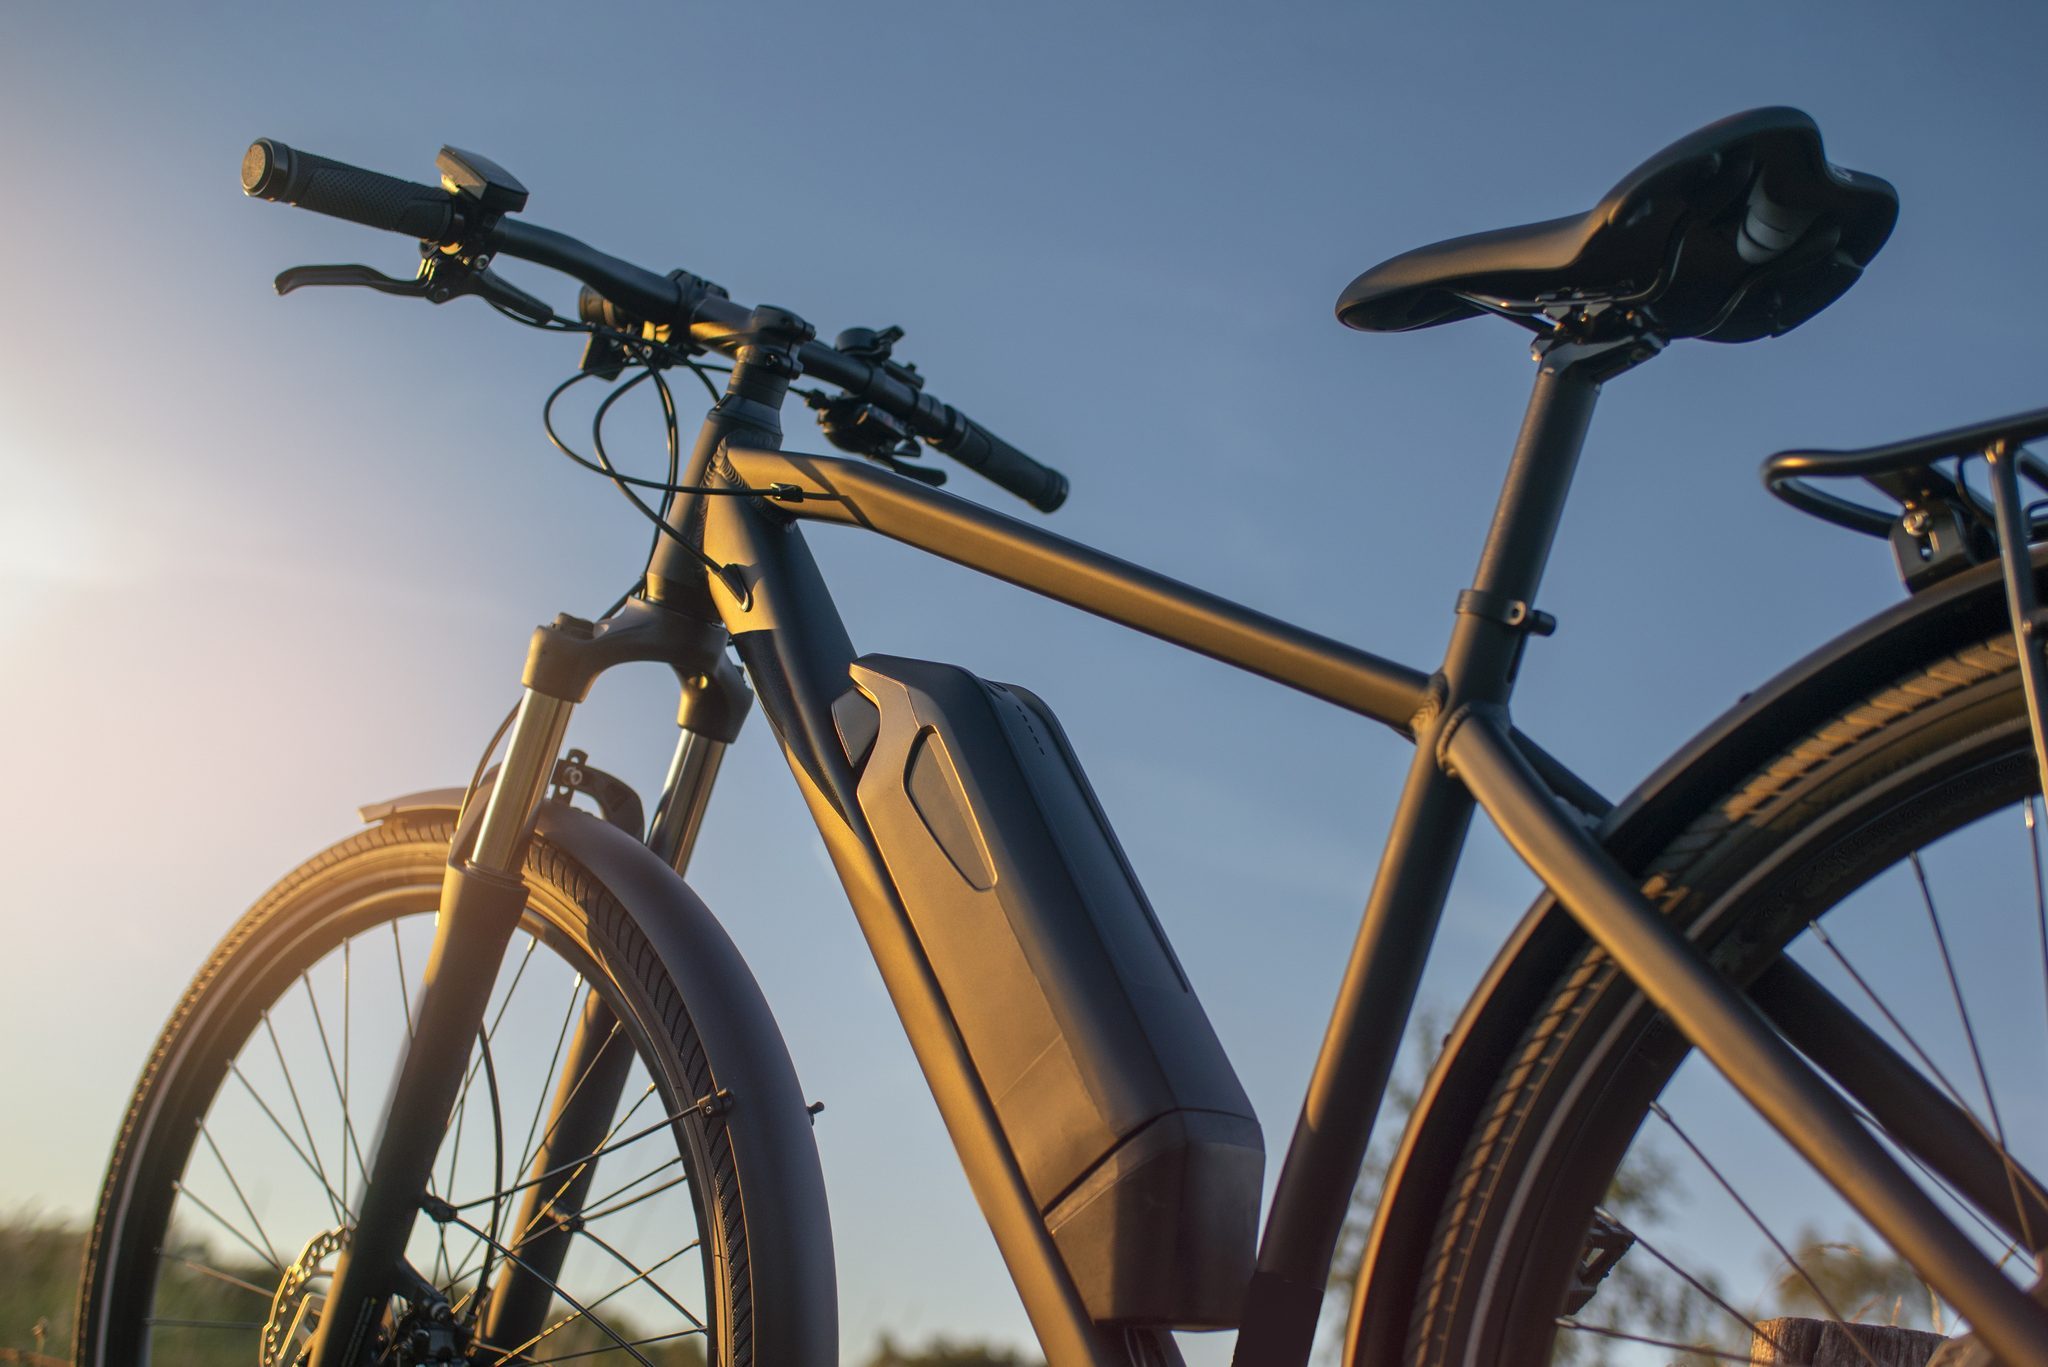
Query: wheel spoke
609	1147
582	1311
181	1189
1933	1069
264	1291
347	993
235	1185
599	1210
1944	1140
540	1105
648	1274
404	980
1608	1331
348	1133
342	1214
583	1163
1721	1179
1694	1282
298	1107
593	1352
1955	987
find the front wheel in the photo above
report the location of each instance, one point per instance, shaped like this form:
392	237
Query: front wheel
1618	1202
242	1156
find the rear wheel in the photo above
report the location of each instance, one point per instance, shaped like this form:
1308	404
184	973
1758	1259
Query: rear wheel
1895	856
233	1180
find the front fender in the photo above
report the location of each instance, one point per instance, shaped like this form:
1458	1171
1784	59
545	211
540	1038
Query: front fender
795	1304
1940	620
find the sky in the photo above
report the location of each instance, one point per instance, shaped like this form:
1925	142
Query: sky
263	560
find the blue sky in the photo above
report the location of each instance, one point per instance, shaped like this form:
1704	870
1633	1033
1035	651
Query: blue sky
262	560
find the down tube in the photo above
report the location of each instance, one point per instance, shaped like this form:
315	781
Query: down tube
797	651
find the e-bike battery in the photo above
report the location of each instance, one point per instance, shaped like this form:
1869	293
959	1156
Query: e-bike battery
1108	1082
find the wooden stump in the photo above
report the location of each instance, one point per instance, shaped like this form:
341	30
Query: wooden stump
1829	1343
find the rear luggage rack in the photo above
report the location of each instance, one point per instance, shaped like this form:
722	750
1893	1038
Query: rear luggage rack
1940	525
1943	525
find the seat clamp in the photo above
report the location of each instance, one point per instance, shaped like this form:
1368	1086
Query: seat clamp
1512	613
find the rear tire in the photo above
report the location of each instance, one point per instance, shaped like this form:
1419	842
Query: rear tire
1807	834
312	985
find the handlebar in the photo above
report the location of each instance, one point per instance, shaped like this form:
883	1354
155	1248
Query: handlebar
271	170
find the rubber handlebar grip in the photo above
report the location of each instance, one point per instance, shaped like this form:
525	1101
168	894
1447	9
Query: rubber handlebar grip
994	459
271	170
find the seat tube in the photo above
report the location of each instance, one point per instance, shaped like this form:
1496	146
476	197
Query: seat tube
1363	1039
482	898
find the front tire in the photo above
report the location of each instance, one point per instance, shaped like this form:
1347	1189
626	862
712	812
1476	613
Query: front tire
246	1135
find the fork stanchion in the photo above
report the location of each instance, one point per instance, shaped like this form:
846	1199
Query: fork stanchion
1715	1017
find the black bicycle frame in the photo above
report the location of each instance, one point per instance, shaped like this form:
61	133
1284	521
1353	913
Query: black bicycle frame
773	604
796	649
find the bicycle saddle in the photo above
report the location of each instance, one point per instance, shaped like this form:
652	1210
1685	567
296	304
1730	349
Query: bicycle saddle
1741	230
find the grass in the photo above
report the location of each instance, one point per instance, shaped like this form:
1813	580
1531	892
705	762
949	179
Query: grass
39	1267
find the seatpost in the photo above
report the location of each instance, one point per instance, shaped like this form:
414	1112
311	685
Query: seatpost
1496	616
1358	1052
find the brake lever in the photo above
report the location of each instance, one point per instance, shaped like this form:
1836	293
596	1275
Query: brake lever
488	284
299	277
441	278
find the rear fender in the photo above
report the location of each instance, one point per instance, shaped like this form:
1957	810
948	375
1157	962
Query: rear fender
1940	620
789	1229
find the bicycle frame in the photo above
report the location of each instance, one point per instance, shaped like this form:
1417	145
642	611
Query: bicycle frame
1465	750
775	607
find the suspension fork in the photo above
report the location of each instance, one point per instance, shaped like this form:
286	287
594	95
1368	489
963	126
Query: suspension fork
482	897
599	1058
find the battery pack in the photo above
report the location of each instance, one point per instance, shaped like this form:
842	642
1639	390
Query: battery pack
1110	1087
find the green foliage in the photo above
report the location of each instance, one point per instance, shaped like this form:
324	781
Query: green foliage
945	1352
39	1267
38	1283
